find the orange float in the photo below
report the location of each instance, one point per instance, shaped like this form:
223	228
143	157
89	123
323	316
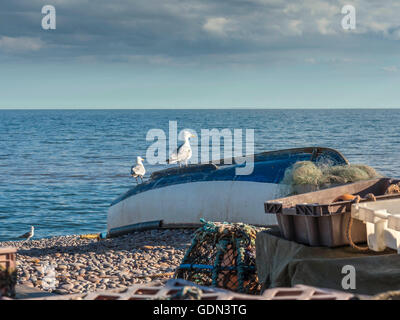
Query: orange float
344	197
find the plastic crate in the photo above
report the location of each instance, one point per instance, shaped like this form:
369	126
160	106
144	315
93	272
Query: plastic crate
172	290
382	221
314	219
302	292
8	273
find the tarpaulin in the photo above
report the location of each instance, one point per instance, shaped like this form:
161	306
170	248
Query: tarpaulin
283	263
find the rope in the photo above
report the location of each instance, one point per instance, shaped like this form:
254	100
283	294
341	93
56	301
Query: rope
218	260
240	265
393	189
90	236
357	199
390	295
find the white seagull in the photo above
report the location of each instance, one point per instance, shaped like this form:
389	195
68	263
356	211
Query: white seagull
184	152
29	234
138	171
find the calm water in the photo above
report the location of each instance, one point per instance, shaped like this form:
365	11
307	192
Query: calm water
59	170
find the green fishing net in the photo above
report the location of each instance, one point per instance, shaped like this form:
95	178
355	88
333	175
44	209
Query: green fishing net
310	173
222	255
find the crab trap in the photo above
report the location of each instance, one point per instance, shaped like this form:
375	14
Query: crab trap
222	255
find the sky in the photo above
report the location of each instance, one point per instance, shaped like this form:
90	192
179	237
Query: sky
199	54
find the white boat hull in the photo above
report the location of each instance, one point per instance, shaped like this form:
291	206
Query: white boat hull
230	201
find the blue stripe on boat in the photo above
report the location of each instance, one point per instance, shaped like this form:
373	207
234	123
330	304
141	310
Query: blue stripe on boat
269	167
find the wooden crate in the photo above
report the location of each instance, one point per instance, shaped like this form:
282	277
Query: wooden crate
7	258
8	272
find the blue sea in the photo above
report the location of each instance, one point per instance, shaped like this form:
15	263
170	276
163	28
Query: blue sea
60	169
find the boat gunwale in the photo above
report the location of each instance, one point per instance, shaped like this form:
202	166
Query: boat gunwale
314	151
229	161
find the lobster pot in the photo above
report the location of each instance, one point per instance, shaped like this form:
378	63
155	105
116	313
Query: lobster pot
222	255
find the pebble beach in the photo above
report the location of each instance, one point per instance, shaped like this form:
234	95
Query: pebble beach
85	265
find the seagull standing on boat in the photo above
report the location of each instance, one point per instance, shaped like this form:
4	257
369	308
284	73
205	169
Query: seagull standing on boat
29	234
184	152
138	171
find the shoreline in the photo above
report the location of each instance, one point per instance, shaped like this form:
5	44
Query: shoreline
83	265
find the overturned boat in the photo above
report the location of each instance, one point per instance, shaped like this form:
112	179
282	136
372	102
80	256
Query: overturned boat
180	197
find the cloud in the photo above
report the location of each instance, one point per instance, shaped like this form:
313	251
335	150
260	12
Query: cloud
295	27
216	25
324	26
390	69
20	44
172	31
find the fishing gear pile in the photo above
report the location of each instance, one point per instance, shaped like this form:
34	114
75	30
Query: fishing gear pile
312	174
222	255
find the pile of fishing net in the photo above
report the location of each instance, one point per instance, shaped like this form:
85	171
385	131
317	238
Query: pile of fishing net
312	174
222	255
